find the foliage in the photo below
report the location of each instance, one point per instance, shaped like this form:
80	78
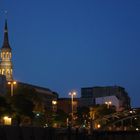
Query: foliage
5	108
24	103
60	117
82	115
102	110
85	114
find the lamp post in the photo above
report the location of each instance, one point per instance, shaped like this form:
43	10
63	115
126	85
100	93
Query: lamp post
92	117
54	105
12	83
72	94
108	104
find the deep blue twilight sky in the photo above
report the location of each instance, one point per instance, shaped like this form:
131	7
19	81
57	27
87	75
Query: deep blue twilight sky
69	44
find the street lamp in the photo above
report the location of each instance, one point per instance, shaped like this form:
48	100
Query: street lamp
72	94
54	105
108	104
12	83
92	117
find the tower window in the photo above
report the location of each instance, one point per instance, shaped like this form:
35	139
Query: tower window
3	55
7	55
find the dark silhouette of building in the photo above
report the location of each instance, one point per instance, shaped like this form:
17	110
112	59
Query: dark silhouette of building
2	84
46	94
65	104
89	95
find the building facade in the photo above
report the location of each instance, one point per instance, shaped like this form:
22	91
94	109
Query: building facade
110	101
6	67
90	95
65	104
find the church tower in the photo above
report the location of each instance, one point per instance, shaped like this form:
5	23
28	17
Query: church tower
6	57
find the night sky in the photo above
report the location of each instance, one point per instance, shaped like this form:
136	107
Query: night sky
69	44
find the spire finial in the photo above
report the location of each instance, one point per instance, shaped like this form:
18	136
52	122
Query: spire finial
6	13
6	28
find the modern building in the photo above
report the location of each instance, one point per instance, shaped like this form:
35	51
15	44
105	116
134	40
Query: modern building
90	96
6	67
110	101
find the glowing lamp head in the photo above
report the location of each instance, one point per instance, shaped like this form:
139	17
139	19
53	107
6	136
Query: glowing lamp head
54	102
14	82
9	83
73	93
110	102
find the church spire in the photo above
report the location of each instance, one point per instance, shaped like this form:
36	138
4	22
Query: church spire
6	40
6	67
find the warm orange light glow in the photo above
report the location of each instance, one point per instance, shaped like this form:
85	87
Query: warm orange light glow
7	120
13	82
5	117
54	102
98	126
108	103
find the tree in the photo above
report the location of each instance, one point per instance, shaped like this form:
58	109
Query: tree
5	108
22	108
60	117
31	106
98	112
102	110
82	116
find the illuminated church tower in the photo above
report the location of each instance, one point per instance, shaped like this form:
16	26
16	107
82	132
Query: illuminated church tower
5	57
